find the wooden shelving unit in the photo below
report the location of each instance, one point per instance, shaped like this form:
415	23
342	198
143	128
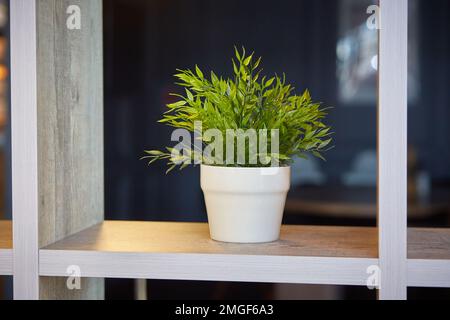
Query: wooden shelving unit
157	250
58	163
304	254
6	253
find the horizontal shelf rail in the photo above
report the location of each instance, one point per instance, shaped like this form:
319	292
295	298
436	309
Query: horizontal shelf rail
208	267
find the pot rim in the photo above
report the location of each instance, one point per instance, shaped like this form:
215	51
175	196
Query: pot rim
245	168
244	179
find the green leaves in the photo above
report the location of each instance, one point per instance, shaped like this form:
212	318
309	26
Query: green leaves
269	82
248	60
199	72
248	101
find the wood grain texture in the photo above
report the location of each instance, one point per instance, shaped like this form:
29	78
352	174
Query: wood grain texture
172	237
429	243
167	250
5	234
429	257
70	127
6	253
392	148
24	149
70	119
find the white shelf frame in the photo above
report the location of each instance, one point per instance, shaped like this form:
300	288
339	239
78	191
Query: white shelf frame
210	267
245	268
6	262
392	148
24	132
428	273
396	271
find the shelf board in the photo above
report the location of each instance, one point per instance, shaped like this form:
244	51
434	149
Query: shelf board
430	243
175	237
429	257
184	251
165	250
6	259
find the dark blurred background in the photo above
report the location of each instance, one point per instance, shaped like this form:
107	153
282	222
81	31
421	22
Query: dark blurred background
322	45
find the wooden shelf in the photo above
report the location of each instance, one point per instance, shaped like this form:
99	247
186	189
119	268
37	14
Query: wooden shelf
304	254
429	257
159	250
430	243
6	258
175	237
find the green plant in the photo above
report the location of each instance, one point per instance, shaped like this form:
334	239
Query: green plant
247	101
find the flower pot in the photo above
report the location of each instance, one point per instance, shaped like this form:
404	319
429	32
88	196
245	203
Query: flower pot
245	205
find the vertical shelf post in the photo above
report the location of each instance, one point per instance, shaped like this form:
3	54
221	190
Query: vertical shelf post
24	149
392	148
57	135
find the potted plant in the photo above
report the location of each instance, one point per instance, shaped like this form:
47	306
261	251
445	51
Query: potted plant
244	132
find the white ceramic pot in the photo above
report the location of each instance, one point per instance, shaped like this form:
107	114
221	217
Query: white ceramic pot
245	205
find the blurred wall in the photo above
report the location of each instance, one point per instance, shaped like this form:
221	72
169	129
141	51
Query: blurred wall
145	41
